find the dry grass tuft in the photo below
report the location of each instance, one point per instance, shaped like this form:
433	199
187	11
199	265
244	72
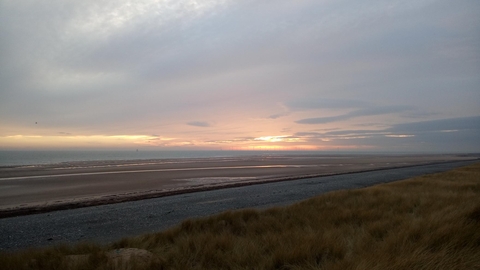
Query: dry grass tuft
429	222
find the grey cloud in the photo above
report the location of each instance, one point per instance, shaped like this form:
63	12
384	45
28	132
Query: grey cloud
64	62
325	103
464	123
199	124
278	115
352	132
357	113
248	138
442	135
237	139
382	110
440	125
378	125
344	134
419	114
323	120
309	134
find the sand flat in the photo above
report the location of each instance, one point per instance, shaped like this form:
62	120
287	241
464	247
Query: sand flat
67	185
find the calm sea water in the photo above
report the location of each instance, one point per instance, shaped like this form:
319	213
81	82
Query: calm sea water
18	158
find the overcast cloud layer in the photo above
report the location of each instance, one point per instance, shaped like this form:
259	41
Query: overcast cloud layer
318	75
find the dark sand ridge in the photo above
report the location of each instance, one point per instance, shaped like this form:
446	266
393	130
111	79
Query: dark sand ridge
25	190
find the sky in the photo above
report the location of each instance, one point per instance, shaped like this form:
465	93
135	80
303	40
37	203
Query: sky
325	75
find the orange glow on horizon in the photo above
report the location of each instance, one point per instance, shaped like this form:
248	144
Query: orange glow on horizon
272	147
34	141
263	143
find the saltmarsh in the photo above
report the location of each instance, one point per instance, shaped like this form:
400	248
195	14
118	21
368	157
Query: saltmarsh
428	222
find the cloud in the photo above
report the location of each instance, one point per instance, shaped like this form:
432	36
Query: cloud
325	103
278	115
357	113
463	123
451	134
199	124
157	63
439	126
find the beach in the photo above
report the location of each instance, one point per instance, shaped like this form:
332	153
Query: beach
112	222
42	188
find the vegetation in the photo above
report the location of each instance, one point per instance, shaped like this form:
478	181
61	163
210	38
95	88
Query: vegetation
429	222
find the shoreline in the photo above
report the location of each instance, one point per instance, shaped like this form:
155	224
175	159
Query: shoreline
87	201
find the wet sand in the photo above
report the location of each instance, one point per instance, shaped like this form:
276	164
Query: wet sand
33	189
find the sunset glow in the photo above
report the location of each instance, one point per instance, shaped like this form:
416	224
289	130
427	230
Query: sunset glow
240	75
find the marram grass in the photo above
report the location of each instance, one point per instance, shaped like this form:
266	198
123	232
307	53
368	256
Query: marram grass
428	222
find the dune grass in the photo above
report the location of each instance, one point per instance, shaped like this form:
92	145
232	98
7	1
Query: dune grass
428	222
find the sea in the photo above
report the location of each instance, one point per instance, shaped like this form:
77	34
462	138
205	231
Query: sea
28	158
